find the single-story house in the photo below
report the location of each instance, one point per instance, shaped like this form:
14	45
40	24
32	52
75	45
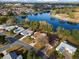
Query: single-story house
18	30
12	55
3	26
64	46
6	27
9	28
26	32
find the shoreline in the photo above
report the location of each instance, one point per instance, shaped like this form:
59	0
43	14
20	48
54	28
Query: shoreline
65	18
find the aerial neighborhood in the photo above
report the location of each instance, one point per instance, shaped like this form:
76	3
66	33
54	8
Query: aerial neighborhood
39	31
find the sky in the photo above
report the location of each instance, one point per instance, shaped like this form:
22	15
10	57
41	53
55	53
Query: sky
40	0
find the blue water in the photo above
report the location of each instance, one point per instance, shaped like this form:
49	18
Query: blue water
55	22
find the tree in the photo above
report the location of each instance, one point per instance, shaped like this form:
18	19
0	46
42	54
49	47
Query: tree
45	27
11	20
76	54
23	13
1	56
3	19
56	55
67	32
10	13
31	55
34	25
2	39
75	34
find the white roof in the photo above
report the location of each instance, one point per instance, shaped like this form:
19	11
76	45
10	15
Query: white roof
18	30
26	32
64	46
4	52
8	56
2	26
10	28
19	57
12	56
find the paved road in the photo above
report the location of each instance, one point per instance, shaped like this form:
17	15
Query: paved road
13	44
21	44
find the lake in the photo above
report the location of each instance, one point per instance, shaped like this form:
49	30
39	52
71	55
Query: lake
53	21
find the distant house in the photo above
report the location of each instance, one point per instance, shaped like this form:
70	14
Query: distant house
9	28
64	46
6	27
3	26
18	30
26	32
12	55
